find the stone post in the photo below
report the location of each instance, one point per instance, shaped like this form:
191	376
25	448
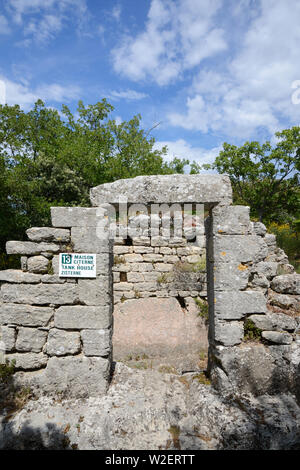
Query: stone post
231	250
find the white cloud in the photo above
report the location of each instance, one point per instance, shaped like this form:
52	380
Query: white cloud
23	95
44	29
118	120
116	12
182	149
130	95
4	27
254	90
43	19
178	35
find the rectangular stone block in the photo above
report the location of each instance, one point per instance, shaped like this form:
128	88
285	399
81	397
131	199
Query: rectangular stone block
145	241
231	220
165	250
76	377
163	267
40	294
53	279
159	241
30	248
49	234
165	189
143	249
236	305
230	276
151	277
135	277
7	338
152	257
133	258
28	361
17	276
25	315
177	242
95	291
63	343
90	240
31	340
122	249
96	342
79	317
123	286
229	333
145	286
239	248
171	259
74	216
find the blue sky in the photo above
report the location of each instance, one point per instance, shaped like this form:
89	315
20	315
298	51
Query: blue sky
208	71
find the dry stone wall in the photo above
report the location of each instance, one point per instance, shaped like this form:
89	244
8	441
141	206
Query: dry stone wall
59	329
160	266
254	298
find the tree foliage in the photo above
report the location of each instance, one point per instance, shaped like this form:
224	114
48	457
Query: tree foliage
49	158
265	177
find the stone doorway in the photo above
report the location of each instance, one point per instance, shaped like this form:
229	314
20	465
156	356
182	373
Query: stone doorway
160	299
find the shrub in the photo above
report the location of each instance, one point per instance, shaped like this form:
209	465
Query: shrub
251	332
7	369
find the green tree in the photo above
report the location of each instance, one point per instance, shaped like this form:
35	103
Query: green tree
49	159
265	177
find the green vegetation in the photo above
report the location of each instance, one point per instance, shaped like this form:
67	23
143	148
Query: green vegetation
202	307
202	379
12	398
50	269
7	370
163	279
165	369
175	433
266	178
119	260
185	267
251	332
288	238
49	158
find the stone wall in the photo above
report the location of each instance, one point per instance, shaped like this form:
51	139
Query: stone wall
59	329
159	266
254	298
159	289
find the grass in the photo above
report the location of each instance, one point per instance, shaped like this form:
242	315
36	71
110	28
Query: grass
9	261
202	308
7	370
175	433
288	238
119	260
202	379
186	267
50	269
251	332
163	279
167	370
